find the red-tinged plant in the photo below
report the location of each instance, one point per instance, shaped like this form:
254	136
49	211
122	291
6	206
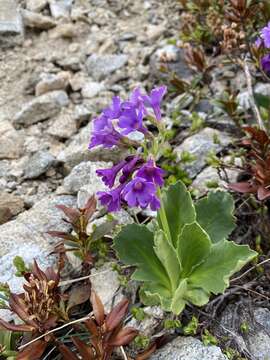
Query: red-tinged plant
257	165
106	333
37	307
79	242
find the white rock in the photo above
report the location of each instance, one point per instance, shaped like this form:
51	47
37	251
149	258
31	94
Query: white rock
60	8
37	21
106	284
11	25
92	89
84	174
11	141
200	145
36	5
188	348
50	82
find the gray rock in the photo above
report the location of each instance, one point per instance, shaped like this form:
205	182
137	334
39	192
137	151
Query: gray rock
51	82
36	5
38	164
64	125
92	89
41	108
174	57
11	141
244	99
27	237
209	175
12	204
11	25
85	174
100	66
35	20
77	151
66	31
188	348
106	284
60	8
31	226
153	317
255	342
199	145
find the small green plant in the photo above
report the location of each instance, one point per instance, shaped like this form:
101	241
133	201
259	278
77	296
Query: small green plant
20	266
187	257
138	313
208	338
244	327
172	324
192	326
8	344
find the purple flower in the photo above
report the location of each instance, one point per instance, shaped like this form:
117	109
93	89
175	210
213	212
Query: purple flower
152	173
154	100
265	63
108	176
155	203
139	192
265	34
114	111
111	199
104	133
131	164
132	120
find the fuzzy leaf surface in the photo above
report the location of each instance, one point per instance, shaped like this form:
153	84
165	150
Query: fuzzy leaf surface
193	247
179	209
215	215
224	260
135	246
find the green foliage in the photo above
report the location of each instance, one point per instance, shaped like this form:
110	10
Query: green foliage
141	341
138	313
192	326
172	324
7	344
187	256
208	338
20	266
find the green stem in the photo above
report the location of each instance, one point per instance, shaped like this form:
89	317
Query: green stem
163	217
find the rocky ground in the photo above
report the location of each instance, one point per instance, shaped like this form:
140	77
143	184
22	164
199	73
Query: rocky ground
60	64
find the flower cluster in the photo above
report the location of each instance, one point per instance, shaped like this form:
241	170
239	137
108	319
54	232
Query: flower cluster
137	176
264	42
123	118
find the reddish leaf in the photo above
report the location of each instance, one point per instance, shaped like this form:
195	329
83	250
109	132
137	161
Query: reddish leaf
18	306
19	328
116	315
62	235
259	135
85	351
38	272
67	354
72	214
98	308
123	337
90	208
243	187
263	193
33	351
91	326
79	295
